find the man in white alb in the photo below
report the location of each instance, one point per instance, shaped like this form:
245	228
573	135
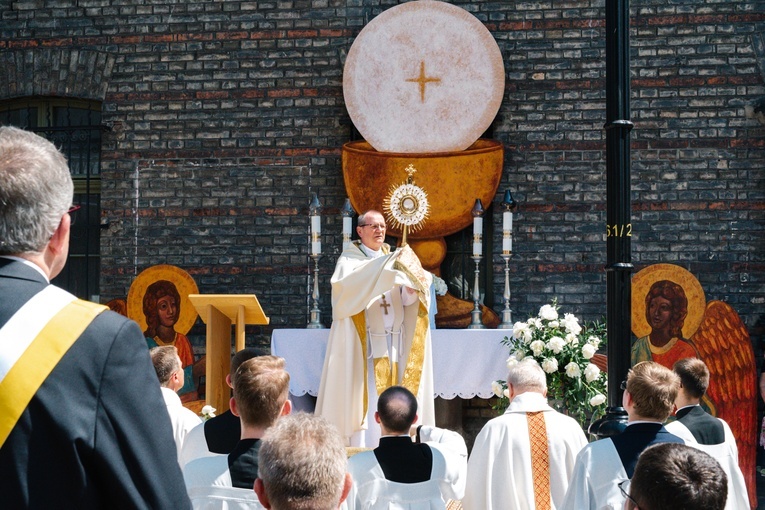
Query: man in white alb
525	458
380	335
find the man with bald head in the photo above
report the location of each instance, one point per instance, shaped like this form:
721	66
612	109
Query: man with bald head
418	466
380	334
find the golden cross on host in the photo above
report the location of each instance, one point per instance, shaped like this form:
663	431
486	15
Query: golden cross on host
423	80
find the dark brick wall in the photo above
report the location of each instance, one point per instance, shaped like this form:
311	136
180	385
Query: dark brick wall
226	115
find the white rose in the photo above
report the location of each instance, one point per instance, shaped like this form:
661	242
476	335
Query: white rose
548	313
591	372
537	346
597	400
496	388
572	339
594	341
208	411
573	370
535	322
522	332
588	351
553	324
571	323
550	365
512	360
556	344
506	393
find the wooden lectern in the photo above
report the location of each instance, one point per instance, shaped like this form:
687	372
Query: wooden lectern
220	312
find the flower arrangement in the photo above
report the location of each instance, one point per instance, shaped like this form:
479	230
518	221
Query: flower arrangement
564	349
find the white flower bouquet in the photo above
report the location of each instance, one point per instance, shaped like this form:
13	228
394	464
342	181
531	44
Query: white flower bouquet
564	349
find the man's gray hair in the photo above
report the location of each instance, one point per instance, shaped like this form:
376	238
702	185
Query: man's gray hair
302	463
362	219
527	375
36	190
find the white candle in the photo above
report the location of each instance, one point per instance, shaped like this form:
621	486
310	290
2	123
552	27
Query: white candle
315	235
347	224
507	241
507	221
477	236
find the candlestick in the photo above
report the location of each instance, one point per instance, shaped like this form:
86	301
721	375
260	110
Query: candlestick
314	210
508	204
476	315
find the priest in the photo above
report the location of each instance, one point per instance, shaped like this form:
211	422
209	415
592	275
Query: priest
380	335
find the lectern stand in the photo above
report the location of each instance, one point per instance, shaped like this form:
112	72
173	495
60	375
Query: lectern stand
220	312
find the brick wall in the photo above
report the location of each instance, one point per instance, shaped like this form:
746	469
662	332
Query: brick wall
226	115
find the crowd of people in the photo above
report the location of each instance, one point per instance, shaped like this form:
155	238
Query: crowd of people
86	422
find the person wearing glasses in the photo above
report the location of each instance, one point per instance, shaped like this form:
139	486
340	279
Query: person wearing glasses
380	335
649	398
169	369
705	432
84	424
672	476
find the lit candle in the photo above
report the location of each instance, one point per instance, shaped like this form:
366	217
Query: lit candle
347	226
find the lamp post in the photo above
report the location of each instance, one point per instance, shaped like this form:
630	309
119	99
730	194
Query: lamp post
476	321
314	211
508	204
618	248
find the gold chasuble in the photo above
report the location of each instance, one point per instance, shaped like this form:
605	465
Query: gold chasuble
377	340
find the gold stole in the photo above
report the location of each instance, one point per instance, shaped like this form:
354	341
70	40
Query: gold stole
384	375
28	373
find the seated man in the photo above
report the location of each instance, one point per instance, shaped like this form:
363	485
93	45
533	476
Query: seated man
649	397
302	465
261	387
219	434
705	432
401	472
673	476
167	365
509	447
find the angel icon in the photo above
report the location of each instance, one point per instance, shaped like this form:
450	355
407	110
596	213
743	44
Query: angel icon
672	320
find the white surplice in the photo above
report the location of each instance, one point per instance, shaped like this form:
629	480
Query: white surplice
499	469
594	484
182	419
371	491
360	280
726	454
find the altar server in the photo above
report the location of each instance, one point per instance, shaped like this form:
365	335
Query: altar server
523	459
705	432
649	397
414	466
380	335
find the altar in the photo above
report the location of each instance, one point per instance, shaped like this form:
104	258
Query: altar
465	361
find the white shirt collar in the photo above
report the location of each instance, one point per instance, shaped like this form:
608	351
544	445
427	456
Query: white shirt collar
28	263
369	252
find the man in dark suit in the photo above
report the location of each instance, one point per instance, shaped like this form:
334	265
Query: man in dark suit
395	471
93	432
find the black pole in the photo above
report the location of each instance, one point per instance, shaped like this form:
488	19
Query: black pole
619	226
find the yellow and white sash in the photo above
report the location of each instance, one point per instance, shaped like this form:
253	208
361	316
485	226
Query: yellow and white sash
32	343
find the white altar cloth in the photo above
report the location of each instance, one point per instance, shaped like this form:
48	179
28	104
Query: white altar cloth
465	361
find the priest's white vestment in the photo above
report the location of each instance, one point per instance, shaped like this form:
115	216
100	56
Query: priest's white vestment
364	348
371	490
209	485
499	469
727	455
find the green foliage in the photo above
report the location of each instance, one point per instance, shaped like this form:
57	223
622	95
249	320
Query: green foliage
564	349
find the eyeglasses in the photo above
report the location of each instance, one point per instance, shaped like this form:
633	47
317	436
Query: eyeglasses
623	386
624	487
374	226
71	212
